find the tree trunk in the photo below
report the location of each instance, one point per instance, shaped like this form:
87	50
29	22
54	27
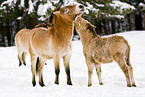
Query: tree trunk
139	22
132	21
144	20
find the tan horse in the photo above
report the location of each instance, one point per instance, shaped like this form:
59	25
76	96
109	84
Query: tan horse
21	41
54	43
99	50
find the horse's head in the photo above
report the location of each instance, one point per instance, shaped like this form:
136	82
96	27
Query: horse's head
69	12
83	25
72	9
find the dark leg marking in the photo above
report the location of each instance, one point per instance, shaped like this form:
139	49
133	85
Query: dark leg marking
68	76
20	63
57	71
23	58
37	63
41	83
34	82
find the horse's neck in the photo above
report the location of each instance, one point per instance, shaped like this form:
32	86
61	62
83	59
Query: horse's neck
63	27
88	37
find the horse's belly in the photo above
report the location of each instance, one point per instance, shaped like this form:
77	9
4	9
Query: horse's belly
43	51
103	57
47	54
103	60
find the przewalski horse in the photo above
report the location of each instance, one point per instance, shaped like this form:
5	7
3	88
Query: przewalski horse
54	43
21	41
99	50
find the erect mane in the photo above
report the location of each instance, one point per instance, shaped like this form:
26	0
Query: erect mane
43	25
50	20
92	29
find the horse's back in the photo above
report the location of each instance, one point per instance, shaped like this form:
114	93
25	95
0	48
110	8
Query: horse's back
41	42
117	44
21	39
39	36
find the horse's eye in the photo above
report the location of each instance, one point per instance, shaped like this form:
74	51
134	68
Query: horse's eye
66	10
79	23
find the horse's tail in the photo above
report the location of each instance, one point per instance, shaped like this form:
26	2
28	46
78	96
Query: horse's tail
128	54
37	65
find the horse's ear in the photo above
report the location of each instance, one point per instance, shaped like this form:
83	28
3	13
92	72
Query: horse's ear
56	12
94	26
80	15
57	9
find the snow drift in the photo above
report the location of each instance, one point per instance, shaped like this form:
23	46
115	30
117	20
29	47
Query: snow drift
15	81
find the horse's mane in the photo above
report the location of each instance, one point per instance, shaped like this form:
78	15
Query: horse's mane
50	20
92	29
43	25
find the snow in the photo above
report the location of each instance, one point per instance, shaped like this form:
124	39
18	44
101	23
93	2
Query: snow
54	1
11	2
118	16
15	81
123	5
42	9
31	7
19	18
142	5
90	7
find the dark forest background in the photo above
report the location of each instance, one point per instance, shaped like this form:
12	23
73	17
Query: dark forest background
15	17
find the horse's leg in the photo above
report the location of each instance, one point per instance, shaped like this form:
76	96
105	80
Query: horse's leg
131	71
40	71
33	68
119	58
66	61
24	57
33	59
20	57
57	69
90	65
98	71
20	63
132	78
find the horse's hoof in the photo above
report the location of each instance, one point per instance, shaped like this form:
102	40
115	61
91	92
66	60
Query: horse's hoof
69	83
57	83
133	85
20	65
101	83
41	84
128	85
24	64
89	85
34	84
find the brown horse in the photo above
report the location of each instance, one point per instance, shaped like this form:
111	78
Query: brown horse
54	43
99	50
21	41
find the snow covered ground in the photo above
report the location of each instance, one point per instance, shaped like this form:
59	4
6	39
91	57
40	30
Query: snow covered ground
15	81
